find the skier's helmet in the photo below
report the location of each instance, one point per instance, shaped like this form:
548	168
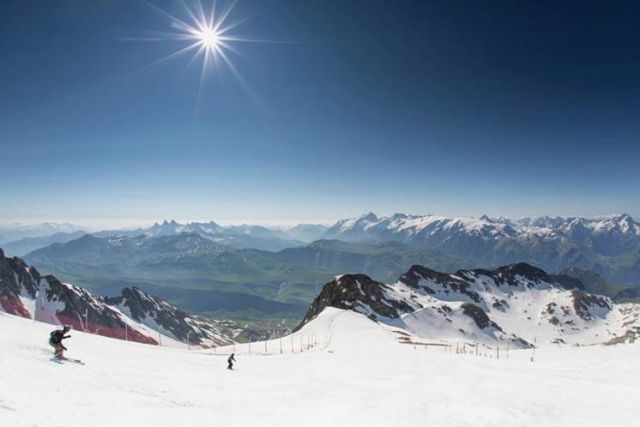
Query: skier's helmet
66	328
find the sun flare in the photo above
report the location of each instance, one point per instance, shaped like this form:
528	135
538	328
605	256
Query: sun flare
209	38
206	34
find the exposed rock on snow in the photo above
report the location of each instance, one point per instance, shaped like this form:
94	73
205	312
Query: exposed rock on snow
157	313
17	281
518	303
359	292
135	316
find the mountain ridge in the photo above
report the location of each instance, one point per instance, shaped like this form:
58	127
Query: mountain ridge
518	304
134	315
608	245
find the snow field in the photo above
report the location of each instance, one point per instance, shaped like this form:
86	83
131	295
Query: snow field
356	375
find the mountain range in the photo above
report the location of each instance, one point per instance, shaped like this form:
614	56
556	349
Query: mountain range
187	267
609	246
515	305
133	315
256	272
17	231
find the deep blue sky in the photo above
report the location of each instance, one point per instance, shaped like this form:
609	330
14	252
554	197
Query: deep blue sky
449	107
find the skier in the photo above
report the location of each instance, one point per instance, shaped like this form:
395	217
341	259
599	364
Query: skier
55	340
230	361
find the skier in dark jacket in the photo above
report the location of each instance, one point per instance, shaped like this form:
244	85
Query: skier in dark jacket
230	361
55	340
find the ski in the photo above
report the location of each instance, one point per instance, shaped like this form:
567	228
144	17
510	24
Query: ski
67	359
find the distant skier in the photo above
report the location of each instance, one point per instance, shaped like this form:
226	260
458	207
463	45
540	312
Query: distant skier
55	340
230	361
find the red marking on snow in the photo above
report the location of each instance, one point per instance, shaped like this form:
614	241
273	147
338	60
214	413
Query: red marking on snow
14	306
105	331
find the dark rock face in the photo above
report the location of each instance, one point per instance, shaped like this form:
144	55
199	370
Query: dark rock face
510	274
86	313
145	308
361	293
62	303
353	290
479	316
583	303
447	282
478	294
419	272
16	279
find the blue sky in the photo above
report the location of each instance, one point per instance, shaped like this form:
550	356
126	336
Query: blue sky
456	108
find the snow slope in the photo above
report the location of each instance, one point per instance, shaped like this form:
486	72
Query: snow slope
515	305
357	374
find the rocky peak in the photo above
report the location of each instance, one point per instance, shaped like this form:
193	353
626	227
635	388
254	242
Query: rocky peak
626	224
434	305
16	280
432	282
587	306
479	316
157	313
24	292
355	292
419	272
369	216
63	303
510	273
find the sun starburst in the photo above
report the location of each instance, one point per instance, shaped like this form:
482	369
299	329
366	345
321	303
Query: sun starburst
205	33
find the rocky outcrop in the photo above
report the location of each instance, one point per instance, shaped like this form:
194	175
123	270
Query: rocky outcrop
418	275
356	292
586	305
134	316
64	303
159	314
24	292
16	280
482	306
512	274
479	316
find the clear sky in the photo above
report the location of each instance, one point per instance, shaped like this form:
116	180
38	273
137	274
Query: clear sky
447	107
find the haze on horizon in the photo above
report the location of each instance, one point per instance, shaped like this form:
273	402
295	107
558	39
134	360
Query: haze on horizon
513	109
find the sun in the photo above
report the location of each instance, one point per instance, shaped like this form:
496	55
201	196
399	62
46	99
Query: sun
209	38
206	34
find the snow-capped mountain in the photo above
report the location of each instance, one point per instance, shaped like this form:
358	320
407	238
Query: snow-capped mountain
607	245
620	230
169	228
517	304
159	315
135	315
